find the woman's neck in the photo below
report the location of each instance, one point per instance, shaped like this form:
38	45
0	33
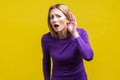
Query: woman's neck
62	34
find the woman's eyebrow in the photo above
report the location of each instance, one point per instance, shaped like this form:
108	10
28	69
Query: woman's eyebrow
57	13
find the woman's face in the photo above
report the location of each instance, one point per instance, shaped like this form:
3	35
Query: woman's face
58	20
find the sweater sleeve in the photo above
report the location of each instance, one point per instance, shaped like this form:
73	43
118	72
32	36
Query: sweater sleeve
46	59
84	45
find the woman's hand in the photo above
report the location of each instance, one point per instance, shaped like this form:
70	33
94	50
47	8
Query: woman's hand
72	25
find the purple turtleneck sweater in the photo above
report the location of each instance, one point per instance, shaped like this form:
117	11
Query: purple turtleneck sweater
67	56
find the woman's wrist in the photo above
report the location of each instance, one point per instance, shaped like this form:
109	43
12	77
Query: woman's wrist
75	34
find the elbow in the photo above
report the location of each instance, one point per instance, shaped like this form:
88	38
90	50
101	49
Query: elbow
90	55
89	59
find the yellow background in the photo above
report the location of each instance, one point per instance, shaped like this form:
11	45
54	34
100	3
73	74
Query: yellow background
23	22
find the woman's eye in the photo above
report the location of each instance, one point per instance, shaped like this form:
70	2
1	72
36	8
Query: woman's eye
51	17
58	16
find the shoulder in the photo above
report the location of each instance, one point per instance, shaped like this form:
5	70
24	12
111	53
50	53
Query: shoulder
81	31
45	36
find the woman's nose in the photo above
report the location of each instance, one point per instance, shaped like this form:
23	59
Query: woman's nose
55	19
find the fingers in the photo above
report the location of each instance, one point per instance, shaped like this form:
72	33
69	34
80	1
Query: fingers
72	17
72	22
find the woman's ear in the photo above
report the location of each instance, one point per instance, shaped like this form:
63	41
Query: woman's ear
67	21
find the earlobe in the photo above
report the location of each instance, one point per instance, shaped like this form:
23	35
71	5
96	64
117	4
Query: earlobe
67	22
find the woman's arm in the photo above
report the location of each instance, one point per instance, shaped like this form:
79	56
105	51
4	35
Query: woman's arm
46	59
82	40
84	45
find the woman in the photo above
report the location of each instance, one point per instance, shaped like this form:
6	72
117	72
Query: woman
66	45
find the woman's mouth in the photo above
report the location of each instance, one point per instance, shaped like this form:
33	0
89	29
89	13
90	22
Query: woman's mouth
56	25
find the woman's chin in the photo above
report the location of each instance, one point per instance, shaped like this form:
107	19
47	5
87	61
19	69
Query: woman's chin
57	30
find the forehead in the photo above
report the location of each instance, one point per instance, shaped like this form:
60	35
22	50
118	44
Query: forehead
56	11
